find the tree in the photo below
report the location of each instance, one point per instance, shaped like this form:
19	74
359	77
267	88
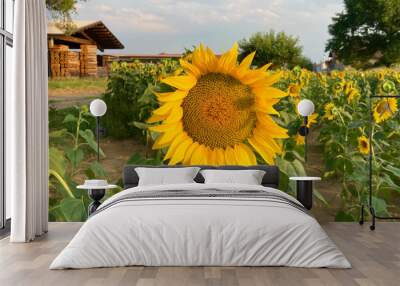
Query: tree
61	11
366	30
277	48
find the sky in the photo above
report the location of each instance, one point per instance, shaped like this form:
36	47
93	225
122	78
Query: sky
155	26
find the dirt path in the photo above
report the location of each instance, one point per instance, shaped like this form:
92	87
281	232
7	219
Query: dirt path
117	154
330	189
63	98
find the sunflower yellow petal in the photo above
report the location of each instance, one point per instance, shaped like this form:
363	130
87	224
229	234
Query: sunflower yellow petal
198	59
209	156
158	145
156	118
167	137
227	62
266	141
220	156
267	81
175	115
180	151
199	156
246	62
165	127
182	82
269	92
189	152
212	60
230	156
266	105
166	108
265	67
171	96
189	68
174	145
250	154
241	156
249	77
265	154
266	123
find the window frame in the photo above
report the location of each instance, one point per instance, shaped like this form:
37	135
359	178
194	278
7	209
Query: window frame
6	39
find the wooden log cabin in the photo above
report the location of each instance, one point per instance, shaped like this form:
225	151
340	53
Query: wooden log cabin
75	54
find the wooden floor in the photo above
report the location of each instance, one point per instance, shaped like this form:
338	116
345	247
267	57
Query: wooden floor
375	257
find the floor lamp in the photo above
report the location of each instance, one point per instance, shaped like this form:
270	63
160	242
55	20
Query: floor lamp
305	108
98	188
98	108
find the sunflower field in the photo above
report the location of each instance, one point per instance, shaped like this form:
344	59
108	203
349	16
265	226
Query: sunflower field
218	111
214	110
342	104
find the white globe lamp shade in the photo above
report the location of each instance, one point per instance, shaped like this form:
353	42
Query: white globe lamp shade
305	107
98	107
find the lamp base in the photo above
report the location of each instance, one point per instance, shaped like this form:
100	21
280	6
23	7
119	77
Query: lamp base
96	195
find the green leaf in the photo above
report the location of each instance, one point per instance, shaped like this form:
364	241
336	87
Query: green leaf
141	125
89	138
395	171
57	134
57	161
63	182
319	196
70	118
299	167
379	205
97	170
75	156
56	214
73	209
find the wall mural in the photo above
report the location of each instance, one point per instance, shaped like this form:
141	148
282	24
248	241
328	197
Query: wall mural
208	109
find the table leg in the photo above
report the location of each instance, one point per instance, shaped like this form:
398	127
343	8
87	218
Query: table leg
96	195
305	194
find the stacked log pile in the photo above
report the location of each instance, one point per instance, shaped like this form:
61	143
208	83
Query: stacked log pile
57	60
66	63
63	56
88	60
73	63
54	62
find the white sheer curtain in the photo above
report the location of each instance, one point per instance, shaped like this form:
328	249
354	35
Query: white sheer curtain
27	124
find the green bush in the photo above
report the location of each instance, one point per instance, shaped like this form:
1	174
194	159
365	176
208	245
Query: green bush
129	95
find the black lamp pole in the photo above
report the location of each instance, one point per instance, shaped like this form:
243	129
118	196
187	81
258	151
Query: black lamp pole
98	137
303	131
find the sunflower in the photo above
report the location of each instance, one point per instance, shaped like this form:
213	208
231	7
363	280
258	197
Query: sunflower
219	112
352	95
329	111
351	92
388	86
384	109
299	139
341	75
381	75
338	87
312	119
363	144
294	90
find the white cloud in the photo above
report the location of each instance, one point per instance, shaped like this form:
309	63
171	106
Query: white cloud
157	25
131	18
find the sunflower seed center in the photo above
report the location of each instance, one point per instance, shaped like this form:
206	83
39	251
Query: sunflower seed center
219	111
